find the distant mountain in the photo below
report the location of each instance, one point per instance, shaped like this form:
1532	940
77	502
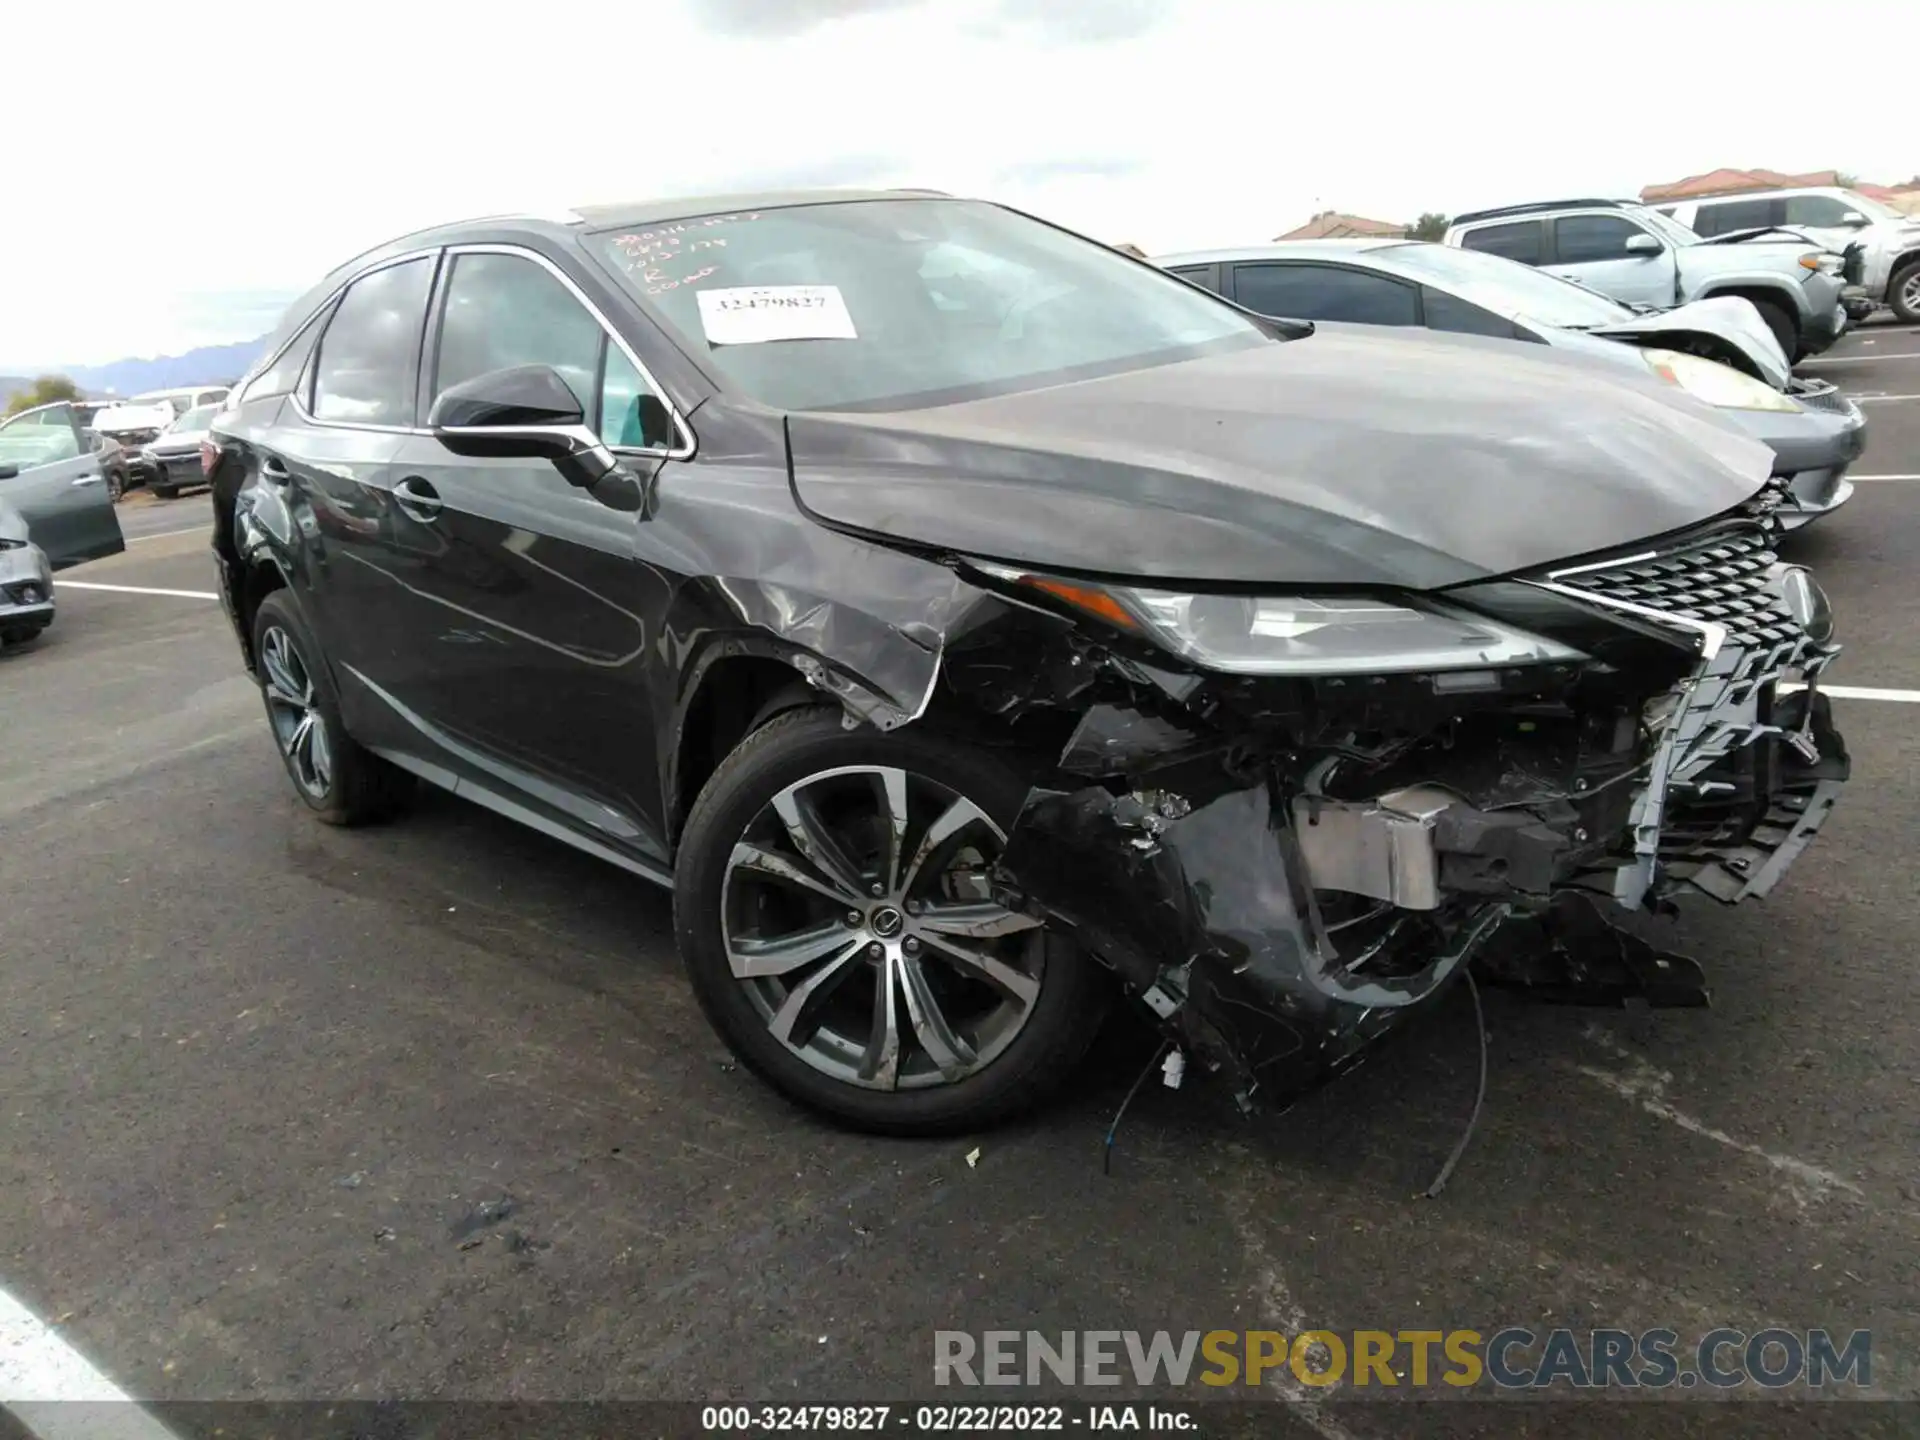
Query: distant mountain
209	365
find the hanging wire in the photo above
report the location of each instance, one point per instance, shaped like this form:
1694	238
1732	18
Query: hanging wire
1106	1157
1480	1098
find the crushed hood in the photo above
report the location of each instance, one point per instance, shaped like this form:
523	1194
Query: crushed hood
1363	459
1726	325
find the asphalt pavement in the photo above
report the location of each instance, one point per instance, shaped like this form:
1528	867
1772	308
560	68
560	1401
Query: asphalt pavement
428	1111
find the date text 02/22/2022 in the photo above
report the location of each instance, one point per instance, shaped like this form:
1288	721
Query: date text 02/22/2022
942	1419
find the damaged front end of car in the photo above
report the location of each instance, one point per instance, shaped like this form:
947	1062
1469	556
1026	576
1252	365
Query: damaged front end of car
1286	843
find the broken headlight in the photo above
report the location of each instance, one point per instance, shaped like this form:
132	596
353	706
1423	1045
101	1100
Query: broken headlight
1299	635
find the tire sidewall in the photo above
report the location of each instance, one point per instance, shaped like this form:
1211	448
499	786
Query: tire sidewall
788	749
1894	298
278	609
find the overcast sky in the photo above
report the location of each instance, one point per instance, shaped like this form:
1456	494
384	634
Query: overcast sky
274	141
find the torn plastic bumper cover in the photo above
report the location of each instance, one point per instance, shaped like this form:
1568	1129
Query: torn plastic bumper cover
1278	932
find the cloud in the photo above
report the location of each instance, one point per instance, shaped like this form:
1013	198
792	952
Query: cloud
777	19
825	171
1090	22
1041	172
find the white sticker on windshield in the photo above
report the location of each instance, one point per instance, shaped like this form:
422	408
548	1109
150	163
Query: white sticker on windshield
754	314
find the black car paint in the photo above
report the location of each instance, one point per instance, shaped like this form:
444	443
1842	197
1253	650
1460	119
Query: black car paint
1393	459
557	659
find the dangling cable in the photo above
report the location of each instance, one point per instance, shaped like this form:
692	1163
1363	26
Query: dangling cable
1479	1099
1106	1158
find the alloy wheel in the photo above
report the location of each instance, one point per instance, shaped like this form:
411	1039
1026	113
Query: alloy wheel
293	709
857	914
1910	291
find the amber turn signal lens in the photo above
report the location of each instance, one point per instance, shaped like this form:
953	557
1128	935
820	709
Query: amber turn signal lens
1082	597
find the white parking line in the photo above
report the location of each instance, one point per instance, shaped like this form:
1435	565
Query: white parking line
1818	360
201	529
1883	477
59	585
1859	399
42	1377
1861	692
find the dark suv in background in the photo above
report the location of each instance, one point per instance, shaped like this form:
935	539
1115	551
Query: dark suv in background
968	621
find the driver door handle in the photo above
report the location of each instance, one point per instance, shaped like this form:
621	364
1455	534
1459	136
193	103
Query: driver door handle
86	480
417	498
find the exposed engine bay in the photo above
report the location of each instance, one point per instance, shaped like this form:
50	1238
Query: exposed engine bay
1285	868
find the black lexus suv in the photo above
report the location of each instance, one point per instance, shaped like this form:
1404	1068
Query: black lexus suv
971	623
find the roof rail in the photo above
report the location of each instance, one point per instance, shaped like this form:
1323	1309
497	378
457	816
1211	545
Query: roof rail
1540	207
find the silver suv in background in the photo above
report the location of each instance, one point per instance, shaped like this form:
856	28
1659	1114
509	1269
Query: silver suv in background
1641	257
1888	242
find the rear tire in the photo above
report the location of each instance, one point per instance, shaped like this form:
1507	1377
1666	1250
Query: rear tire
165	492
116	483
1903	292
940	1031
342	782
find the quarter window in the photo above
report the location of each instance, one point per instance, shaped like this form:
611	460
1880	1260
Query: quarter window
364	371
279	378
1447	311
1320	292
1516	242
1581	239
1206	276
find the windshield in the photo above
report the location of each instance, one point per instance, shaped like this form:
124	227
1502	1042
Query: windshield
891	303
1873	209
1504	286
198	419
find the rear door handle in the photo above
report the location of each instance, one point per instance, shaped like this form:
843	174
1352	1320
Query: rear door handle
417	498
86	480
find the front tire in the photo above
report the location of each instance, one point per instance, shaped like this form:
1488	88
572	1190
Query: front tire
831	905
1903	293
1785	327
165	492
342	782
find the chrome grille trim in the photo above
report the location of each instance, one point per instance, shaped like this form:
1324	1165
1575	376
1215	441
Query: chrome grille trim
1722	578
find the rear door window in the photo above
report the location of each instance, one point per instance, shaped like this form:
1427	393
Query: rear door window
1324	292
366	368
1518	241
1726	216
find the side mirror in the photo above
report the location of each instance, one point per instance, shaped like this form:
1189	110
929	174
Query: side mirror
1854	218
1643	244
527	412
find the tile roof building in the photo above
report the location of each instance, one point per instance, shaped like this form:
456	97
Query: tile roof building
1332	225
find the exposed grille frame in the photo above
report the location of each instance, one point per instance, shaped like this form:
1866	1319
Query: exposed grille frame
1717	584
1722	577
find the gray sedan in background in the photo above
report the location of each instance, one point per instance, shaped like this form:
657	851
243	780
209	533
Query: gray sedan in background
1718	350
171	460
